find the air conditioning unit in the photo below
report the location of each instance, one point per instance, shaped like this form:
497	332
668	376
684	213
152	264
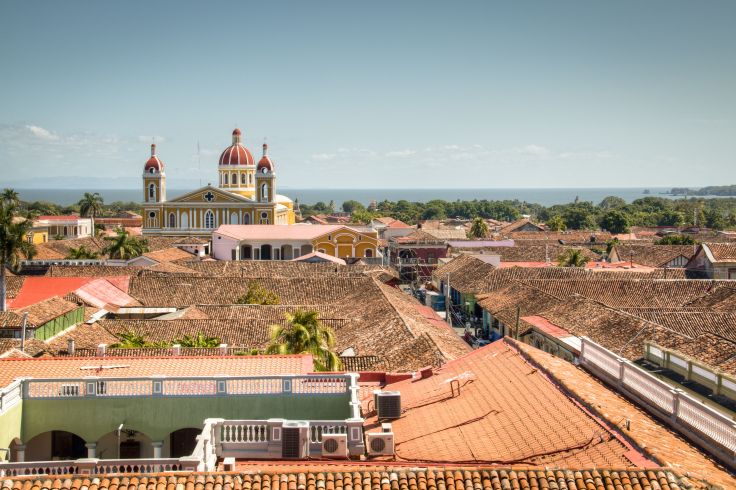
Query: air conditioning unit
335	445
388	404
380	443
295	440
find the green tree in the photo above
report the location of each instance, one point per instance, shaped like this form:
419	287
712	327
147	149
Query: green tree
352	206
572	257
14	244
258	295
81	253
714	219
670	217
479	228
610	244
136	340
578	218
10	196
123	246
362	216
434	211
199	340
612	202
556	223
615	221
303	333
90	206
676	240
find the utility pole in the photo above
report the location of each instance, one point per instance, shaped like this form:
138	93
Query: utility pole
447	300
23	332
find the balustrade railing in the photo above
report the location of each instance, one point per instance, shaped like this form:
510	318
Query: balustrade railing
10	395
177	386
711	429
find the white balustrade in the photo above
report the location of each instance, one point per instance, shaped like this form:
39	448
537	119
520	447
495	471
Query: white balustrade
243	431
677	405
38	468
319	429
177	386
649	387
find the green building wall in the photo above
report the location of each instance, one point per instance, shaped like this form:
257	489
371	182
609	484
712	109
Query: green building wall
59	324
157	417
10	426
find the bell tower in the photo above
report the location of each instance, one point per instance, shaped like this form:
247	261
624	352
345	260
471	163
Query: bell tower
154	179
265	178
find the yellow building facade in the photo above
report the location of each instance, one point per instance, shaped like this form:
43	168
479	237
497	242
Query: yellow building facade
245	194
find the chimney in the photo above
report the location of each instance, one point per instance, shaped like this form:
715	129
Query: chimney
70	347
223	349
176	350
101	350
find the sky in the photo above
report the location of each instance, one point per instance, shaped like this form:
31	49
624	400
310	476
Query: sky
409	94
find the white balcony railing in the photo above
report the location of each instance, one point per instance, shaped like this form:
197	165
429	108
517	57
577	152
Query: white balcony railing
712	430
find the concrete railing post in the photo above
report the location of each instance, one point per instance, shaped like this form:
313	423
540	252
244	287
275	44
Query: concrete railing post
675	404
275	432
87	466
90	385
356	444
157	446
157	382
91	449
20	453
101	350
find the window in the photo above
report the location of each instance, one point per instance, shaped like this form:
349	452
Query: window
246	218
151	191
234	179
152	214
369	253
264	218
242	178
151	170
209	219
172	220
264	191
225	178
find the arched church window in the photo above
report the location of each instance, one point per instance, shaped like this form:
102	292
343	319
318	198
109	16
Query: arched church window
225	177
246	218
264	191
209	219
243	179
152	191
151	170
172	220
234	179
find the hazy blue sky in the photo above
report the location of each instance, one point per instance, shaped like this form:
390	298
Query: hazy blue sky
374	94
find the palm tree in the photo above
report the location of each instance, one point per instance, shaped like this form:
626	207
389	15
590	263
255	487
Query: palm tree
136	340
82	253
91	205
305	334
572	257
199	340
10	196
14	243
123	246
479	228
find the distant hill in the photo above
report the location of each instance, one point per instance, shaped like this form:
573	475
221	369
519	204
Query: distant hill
712	190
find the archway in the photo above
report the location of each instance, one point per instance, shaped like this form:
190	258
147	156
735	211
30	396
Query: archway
246	252
133	444
265	252
182	442
306	249
55	444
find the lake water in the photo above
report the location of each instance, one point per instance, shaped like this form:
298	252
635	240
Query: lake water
546	197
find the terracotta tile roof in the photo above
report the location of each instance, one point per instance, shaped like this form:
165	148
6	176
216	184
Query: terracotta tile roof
625	292
46	310
444	234
167	366
535	253
192	240
569	237
10	348
85	336
722	252
652	255
721	298
503	303
169	254
92	270
11	319
348	476
522	223
506	412
668	448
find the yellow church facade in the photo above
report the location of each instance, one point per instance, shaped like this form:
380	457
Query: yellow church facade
245	194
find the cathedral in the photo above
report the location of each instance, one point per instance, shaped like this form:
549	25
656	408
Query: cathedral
245	194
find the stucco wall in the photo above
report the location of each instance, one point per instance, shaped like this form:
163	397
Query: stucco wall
10	426
158	417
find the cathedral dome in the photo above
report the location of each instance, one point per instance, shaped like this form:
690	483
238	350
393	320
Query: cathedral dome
154	164
236	154
265	161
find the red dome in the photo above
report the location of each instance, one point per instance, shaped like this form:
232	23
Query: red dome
236	154
265	161
154	163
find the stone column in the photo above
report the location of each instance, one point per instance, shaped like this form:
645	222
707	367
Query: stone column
91	449
157	445
20	453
